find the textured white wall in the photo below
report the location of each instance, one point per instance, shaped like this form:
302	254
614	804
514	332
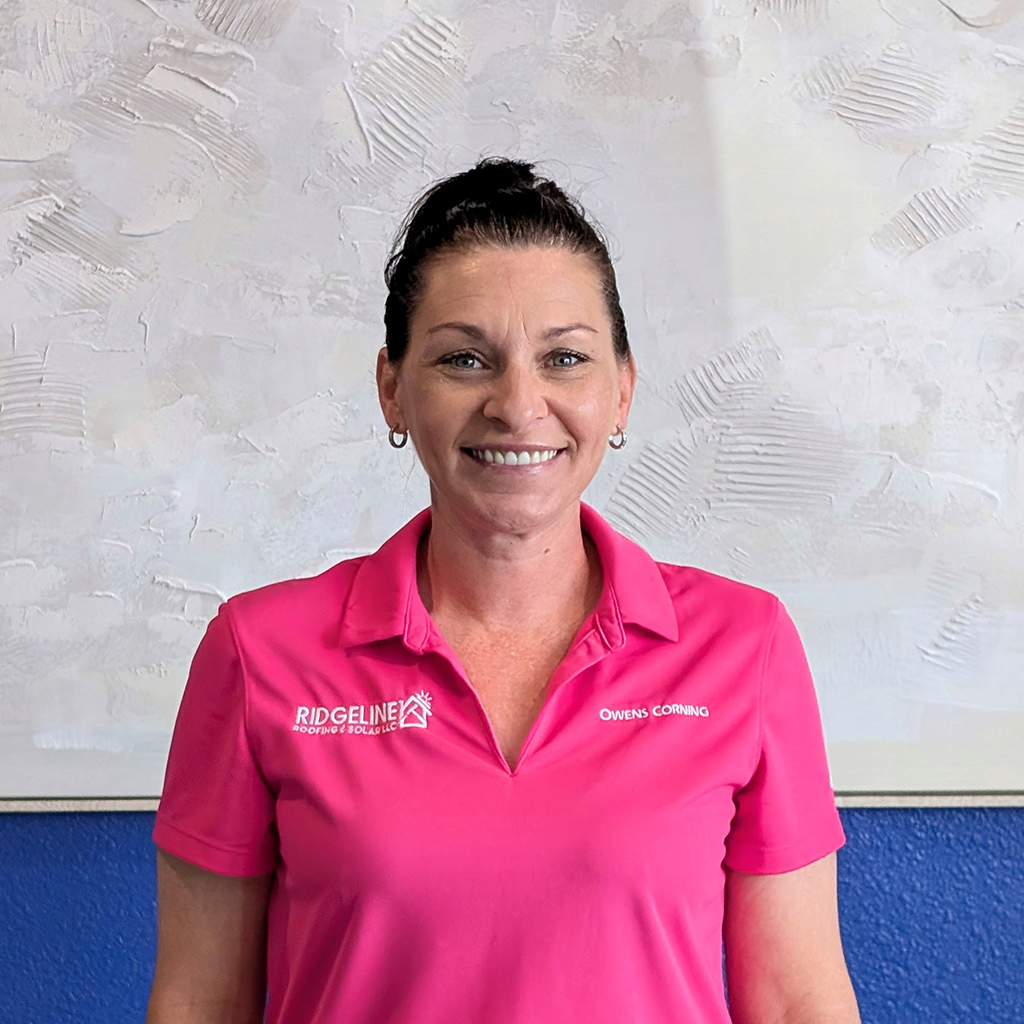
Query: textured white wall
818	209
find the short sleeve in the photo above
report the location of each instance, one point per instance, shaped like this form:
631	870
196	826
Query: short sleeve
216	810
786	814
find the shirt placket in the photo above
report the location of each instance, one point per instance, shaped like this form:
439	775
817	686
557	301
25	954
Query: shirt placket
588	649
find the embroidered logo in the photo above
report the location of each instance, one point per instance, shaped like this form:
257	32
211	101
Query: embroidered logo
658	711
366	719
414	711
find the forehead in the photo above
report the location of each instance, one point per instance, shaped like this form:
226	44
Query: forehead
534	280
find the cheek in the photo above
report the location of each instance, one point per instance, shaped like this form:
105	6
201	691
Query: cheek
595	411
435	414
420	404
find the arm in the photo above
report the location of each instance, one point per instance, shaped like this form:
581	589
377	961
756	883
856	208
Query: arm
784	957
211	946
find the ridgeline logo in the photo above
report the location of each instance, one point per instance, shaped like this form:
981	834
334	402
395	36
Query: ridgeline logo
365	719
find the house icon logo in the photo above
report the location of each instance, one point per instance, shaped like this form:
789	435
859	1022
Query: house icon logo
364	719
414	711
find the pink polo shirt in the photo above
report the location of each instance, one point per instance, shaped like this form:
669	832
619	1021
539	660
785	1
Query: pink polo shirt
328	734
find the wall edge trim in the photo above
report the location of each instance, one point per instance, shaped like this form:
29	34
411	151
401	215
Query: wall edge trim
51	805
47	805
936	799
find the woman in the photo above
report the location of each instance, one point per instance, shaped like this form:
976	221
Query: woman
507	768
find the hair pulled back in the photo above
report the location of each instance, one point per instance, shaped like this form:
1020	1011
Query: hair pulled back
497	203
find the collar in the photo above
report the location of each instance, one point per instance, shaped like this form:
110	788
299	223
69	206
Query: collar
384	599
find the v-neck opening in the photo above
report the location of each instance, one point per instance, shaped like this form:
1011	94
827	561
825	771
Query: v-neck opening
422	634
558	679
588	628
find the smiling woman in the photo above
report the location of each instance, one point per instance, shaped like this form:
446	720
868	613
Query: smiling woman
508	768
509	384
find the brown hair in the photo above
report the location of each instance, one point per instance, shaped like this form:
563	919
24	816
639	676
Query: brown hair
499	203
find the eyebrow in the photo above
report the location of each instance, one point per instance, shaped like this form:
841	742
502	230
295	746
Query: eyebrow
478	335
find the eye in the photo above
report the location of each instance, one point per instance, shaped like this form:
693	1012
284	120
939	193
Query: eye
463	360
564	358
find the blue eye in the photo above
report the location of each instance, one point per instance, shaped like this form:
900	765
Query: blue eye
463	360
565	358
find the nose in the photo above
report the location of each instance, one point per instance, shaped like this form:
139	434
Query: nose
517	398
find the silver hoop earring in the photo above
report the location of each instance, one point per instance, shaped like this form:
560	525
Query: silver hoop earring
618	439
393	442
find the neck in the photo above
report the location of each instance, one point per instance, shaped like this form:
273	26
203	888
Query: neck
503	581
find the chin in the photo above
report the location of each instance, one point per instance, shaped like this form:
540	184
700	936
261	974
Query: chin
519	513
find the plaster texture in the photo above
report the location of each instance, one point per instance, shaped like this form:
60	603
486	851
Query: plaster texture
816	206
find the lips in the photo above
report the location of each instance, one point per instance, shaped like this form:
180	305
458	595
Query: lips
513	456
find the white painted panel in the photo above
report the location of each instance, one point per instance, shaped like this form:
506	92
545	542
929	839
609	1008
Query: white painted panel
817	209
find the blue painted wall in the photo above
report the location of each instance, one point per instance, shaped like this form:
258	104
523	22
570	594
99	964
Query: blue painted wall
932	905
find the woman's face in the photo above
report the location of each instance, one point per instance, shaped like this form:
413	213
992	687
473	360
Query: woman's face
510	386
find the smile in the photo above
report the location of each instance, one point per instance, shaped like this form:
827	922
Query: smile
512	457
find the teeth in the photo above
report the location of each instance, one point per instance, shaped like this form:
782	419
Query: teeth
514	458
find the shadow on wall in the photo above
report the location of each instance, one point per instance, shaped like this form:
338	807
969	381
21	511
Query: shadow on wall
932	903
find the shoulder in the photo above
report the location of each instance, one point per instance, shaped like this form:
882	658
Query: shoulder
719	600
294	607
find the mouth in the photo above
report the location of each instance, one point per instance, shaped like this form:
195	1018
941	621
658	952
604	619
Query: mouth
513	456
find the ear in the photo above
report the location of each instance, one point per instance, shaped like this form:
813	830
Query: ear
387	390
627	385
